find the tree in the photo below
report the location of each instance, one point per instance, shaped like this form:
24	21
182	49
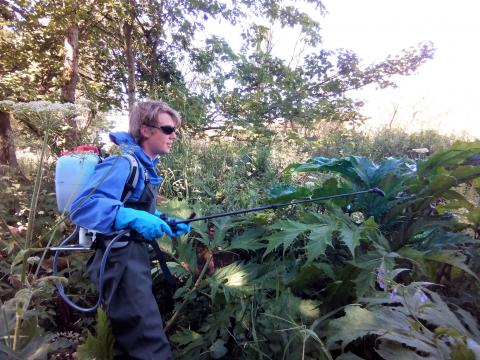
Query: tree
70	67
7	146
150	48
268	90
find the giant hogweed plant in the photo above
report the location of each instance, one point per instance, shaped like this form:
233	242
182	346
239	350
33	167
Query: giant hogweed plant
263	306
316	260
24	303
425	215
410	322
19	316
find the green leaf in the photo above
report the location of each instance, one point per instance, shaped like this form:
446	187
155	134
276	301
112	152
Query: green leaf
415	256
333	186
309	275
351	238
474	216
288	231
287	307
287	193
99	346
356	323
187	339
355	169
455	155
460	351
234	279
248	240
319	239
452	257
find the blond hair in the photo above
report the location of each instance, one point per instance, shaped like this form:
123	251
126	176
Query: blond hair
146	113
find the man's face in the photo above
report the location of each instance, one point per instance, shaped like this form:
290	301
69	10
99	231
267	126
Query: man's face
157	141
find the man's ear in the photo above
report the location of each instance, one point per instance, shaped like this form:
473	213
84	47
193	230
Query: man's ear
145	131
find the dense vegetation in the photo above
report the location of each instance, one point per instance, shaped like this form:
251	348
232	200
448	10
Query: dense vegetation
360	277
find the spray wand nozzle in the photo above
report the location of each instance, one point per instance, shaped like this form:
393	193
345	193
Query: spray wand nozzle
192	217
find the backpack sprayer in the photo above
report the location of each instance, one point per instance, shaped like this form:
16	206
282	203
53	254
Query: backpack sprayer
83	162
173	223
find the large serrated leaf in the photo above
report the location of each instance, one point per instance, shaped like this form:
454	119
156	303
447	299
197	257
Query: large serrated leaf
288	231
319	239
452	257
287	193
351	238
99	346
455	155
234	279
356	323
248	240
390	350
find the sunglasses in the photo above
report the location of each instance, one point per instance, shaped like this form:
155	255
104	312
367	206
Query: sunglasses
166	129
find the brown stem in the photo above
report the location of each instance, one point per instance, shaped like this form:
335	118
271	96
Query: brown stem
174	317
18	321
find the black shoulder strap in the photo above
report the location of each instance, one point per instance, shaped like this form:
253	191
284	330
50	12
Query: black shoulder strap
132	178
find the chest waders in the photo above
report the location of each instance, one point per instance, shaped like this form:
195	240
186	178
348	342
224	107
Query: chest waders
127	295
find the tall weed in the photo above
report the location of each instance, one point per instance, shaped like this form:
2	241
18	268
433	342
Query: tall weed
380	143
218	175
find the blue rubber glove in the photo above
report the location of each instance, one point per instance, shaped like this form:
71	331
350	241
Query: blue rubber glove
181	229
150	226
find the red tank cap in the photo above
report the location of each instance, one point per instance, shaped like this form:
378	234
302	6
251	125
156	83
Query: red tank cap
81	148
84	148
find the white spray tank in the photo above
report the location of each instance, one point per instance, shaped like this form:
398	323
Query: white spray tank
72	173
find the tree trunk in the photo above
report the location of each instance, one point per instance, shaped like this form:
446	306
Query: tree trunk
292	125
8	158
152	44
7	147
70	79
129	54
70	65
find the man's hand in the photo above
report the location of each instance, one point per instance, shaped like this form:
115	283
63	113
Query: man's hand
150	226
177	229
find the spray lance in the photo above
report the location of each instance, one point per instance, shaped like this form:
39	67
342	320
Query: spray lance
173	224
192	218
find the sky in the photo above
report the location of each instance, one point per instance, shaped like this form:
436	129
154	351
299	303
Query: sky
443	94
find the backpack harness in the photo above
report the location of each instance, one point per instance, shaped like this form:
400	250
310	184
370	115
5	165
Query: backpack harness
91	240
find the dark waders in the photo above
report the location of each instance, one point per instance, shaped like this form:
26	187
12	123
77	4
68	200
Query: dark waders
131	307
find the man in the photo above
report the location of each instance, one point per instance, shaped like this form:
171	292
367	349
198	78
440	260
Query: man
131	307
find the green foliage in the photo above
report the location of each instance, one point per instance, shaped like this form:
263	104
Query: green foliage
282	283
323	257
99	346
174	64
269	90
331	140
413	323
218	176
